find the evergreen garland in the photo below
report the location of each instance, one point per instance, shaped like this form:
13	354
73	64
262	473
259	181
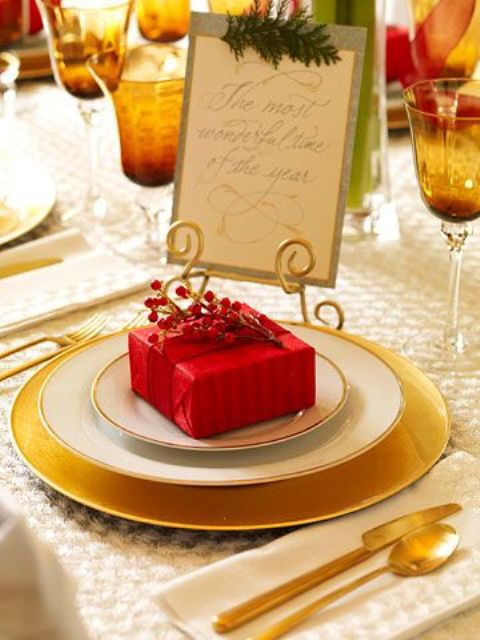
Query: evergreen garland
273	37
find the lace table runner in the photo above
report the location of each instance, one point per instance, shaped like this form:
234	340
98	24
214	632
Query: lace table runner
390	292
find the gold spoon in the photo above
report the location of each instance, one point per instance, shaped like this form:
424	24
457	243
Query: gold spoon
419	552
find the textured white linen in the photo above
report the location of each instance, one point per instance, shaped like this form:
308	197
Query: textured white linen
390	292
84	278
389	607
36	596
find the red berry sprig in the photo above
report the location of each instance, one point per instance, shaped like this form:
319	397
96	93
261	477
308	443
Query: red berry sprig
205	317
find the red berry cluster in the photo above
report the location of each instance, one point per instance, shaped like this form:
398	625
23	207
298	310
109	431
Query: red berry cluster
204	317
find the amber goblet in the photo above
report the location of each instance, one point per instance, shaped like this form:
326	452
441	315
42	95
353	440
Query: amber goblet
163	20
76	30
147	98
444	118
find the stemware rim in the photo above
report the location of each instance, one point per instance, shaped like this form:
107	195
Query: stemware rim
142	45
433	81
78	7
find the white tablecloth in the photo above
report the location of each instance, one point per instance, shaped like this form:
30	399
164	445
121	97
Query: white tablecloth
390	292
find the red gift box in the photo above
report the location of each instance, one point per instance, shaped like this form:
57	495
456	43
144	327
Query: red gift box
35	19
398	56
207	387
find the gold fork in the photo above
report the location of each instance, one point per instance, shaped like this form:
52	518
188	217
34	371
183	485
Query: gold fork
88	334
67	339
137	321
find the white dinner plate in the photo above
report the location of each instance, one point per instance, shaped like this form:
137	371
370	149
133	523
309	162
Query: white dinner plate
115	402
23	209
375	403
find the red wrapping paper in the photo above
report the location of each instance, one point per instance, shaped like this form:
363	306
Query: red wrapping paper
207	387
398	57
35	19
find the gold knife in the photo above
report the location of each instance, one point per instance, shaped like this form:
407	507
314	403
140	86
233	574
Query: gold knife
373	541
30	265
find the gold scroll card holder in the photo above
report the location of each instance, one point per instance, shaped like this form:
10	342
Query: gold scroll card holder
185	242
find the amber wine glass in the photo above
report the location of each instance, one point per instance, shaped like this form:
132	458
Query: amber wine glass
163	20
147	98
76	30
444	118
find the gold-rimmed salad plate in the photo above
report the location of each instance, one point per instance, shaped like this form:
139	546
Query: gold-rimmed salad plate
117	404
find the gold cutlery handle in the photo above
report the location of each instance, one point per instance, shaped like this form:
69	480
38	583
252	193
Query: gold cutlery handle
29	265
29	364
242	613
289	622
21	347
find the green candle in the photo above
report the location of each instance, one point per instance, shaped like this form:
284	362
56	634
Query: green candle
358	13
343	12
325	11
363	14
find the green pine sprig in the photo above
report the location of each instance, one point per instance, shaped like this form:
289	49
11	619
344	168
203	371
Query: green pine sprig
276	36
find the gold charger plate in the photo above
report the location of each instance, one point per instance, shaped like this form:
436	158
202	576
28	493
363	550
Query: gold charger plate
408	452
396	112
24	208
32	52
34	64
396	117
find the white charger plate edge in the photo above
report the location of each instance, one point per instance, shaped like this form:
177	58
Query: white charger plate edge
131	464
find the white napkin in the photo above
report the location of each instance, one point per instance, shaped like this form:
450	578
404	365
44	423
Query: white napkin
389	607
85	277
36	596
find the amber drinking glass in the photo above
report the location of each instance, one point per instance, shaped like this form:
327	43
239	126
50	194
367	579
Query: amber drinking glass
444	117
163	20
147	98
76	30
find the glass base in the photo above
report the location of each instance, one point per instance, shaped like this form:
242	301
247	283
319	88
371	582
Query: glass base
147	232
136	229
377	222
142	246
153	208
430	351
97	213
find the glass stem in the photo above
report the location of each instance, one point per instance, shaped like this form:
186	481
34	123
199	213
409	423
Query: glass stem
150	201
94	203
455	236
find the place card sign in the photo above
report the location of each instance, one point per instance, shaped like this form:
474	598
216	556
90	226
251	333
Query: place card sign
265	153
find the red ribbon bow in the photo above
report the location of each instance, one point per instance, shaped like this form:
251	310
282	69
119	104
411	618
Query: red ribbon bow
435	39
